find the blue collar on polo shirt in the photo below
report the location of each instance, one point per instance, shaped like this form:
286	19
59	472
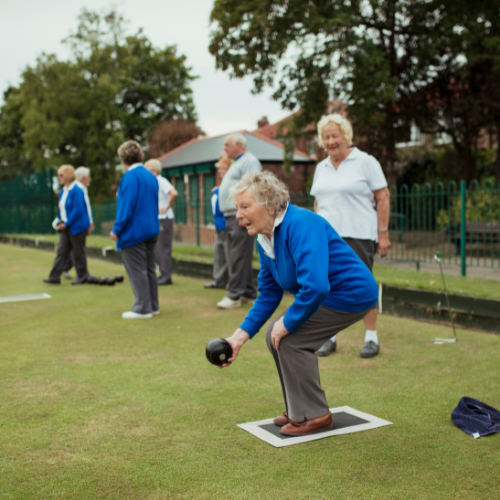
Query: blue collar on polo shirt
239	156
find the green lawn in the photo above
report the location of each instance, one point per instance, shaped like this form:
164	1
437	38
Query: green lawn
96	407
388	275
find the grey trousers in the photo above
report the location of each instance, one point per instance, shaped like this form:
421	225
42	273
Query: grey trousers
69	263
297	362
68	244
139	262
222	266
163	249
241	247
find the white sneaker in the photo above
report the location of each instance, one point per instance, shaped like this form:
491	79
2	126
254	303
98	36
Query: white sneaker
67	275
133	315
227	303
155	312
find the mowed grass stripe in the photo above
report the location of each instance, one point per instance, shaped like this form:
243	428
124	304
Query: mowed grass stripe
92	406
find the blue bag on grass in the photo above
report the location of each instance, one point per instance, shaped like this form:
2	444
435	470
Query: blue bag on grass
476	418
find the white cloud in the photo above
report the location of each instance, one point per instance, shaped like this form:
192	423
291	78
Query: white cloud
30	27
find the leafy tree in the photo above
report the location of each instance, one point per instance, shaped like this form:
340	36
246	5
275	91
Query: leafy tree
14	161
171	134
115	87
374	54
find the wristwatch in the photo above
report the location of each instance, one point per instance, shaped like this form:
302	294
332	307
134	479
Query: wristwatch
380	230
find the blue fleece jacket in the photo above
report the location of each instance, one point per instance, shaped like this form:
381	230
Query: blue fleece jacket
76	210
136	208
313	263
219	219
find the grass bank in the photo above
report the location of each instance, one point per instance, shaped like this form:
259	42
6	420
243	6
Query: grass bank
92	406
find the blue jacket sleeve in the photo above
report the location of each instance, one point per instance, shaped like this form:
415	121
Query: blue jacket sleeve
78	206
270	295
308	245
125	204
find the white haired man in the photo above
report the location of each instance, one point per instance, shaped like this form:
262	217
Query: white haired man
241	244
83	179
166	198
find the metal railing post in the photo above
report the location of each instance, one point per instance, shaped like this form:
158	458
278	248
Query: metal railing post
463	191
197	204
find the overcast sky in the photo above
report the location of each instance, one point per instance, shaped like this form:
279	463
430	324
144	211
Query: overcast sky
30	27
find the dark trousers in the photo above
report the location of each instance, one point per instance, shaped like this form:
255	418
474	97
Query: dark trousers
67	243
222	267
297	362
139	262
241	247
163	249
69	263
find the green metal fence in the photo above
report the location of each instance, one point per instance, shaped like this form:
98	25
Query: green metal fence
28	204
460	221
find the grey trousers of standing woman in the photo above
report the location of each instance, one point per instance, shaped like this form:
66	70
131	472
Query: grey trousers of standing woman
139	262
222	265
297	362
241	247
163	249
71	243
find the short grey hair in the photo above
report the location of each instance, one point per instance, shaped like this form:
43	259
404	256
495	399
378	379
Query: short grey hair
343	123
82	172
154	165
130	152
268	190
239	138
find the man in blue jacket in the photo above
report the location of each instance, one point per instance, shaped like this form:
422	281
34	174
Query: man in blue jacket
72	222
136	229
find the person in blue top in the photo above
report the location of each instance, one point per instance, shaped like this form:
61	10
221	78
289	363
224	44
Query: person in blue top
73	223
136	229
300	253
222	264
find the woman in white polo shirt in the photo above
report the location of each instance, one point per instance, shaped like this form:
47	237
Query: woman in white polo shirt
346	186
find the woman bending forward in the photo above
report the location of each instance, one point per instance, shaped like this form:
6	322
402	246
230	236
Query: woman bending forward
299	252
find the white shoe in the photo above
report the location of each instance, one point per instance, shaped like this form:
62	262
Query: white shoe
155	312
227	303
67	275
133	315
246	300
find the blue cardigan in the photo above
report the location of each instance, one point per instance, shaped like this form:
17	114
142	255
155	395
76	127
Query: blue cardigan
313	263
76	210
136	208
219	219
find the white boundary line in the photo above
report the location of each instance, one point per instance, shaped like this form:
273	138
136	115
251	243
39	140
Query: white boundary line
21	298
373	422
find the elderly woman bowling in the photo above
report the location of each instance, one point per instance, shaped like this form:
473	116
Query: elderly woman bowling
299	252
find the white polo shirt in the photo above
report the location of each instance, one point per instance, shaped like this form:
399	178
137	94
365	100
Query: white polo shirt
62	201
164	188
345	195
87	199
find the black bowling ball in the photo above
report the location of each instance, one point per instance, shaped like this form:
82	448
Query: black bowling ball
218	351
110	281
101	281
119	278
92	280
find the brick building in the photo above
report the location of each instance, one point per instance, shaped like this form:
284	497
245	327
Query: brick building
191	169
